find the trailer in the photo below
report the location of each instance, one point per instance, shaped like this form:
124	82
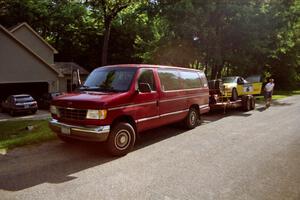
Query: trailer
219	101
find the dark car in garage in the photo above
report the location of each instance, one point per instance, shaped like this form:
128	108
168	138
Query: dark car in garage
22	103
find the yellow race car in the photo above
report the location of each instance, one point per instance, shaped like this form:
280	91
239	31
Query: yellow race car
235	86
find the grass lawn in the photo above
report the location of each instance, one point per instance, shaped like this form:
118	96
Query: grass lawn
16	133
279	94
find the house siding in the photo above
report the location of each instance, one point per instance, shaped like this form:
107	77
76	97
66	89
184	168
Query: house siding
34	43
63	84
18	65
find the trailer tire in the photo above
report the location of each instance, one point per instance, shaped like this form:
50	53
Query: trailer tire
246	102
234	94
252	102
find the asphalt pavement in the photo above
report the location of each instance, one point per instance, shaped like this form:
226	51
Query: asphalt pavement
239	155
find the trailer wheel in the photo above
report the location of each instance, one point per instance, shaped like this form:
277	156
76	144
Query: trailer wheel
252	102
246	101
234	94
192	119
121	139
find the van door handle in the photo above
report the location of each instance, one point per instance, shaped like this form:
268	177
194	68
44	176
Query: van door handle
157	102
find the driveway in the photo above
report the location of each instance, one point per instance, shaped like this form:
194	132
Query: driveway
240	155
40	114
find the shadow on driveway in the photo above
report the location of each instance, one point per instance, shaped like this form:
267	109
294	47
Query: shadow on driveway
55	162
261	106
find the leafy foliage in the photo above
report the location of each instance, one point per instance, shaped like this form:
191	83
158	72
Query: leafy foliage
223	37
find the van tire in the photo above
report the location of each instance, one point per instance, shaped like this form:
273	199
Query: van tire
234	94
192	119
121	139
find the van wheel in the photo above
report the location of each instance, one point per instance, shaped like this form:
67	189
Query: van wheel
192	119
234	94
121	139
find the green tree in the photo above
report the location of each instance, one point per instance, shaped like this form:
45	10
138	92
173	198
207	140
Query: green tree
106	11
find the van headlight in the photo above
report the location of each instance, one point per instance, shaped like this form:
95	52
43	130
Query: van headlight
53	110
96	114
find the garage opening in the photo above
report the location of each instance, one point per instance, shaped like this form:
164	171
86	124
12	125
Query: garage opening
36	89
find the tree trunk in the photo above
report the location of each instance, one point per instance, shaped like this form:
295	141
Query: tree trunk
219	73
214	72
105	42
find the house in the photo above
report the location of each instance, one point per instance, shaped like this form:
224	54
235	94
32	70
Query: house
66	68
27	63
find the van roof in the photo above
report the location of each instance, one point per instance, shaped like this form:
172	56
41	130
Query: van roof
150	66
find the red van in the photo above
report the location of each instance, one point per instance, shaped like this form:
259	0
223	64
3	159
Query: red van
117	102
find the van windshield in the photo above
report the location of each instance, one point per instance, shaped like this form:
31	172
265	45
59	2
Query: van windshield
109	79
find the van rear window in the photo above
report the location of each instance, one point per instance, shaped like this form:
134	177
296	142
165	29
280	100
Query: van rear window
190	79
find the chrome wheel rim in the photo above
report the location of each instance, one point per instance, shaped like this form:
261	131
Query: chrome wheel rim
122	139
193	118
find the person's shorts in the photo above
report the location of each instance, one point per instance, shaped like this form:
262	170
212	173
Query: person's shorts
268	95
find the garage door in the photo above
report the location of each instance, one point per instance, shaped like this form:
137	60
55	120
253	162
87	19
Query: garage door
35	89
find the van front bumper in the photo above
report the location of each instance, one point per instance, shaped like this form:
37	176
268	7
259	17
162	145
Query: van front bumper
90	133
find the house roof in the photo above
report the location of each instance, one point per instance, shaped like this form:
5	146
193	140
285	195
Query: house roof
18	26
66	68
10	35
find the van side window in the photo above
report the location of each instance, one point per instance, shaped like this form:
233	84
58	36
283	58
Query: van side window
147	76
190	79
169	79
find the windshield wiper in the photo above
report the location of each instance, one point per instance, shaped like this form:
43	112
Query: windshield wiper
88	88
96	88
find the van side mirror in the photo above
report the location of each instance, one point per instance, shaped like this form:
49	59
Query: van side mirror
144	87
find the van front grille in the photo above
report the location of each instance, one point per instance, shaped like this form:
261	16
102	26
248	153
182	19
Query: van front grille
72	113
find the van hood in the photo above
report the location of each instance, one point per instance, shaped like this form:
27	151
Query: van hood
90	100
